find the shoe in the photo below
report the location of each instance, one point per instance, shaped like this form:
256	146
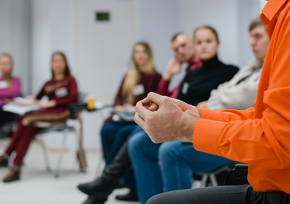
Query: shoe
3	162
13	175
94	200
98	187
131	196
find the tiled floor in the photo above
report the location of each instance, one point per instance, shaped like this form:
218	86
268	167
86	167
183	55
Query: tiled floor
38	186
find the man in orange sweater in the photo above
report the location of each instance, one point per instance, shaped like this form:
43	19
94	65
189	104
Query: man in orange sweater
258	136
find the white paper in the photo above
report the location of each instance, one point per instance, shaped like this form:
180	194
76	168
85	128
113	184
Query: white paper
3	85
61	92
138	90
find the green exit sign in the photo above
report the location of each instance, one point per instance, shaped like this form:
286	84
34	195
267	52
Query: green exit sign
102	16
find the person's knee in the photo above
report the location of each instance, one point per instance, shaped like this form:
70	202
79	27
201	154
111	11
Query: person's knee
135	145
106	128
167	152
158	199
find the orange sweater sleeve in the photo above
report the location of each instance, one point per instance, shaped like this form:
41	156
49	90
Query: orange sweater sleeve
260	136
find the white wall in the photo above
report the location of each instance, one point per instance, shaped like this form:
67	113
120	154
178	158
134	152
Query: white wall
49	34
101	52
98	52
219	14
15	36
158	22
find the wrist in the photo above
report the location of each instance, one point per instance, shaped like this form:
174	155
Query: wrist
167	76
189	125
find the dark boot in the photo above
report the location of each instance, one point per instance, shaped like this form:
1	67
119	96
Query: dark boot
99	187
3	162
94	200
104	185
131	196
13	175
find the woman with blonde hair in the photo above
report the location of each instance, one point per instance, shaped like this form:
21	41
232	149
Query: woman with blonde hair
10	87
61	90
141	79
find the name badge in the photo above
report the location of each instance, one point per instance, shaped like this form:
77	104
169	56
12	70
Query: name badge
138	90
61	92
185	88
3	85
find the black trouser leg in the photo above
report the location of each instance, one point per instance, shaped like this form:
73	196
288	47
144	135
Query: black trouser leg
120	165
243	194
104	185
7	117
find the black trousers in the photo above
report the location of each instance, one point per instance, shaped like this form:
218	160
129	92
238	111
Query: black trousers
243	194
6	117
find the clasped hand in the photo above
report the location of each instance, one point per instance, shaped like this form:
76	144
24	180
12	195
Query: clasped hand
165	119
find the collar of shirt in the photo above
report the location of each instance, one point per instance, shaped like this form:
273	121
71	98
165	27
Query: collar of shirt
196	63
270	14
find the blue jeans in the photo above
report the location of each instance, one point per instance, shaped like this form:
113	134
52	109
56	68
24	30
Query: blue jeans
169	166
113	137
179	162
144	157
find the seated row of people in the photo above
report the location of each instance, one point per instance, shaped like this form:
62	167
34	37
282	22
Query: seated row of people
170	166
61	91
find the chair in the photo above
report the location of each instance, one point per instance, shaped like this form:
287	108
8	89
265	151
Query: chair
238	175
74	124
212	175
7	129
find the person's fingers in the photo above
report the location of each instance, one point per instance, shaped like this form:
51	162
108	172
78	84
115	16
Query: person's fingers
141	110
153	97
146	102
139	120
153	107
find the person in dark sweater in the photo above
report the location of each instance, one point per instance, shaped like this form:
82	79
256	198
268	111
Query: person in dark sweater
61	91
149	181
198	84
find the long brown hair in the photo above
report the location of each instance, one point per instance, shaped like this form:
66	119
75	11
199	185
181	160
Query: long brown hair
67	69
8	77
134	74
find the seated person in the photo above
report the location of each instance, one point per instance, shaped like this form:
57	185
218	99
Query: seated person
61	91
183	49
211	74
146	156
10	87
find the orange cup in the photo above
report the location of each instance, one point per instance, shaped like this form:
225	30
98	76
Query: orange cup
91	103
